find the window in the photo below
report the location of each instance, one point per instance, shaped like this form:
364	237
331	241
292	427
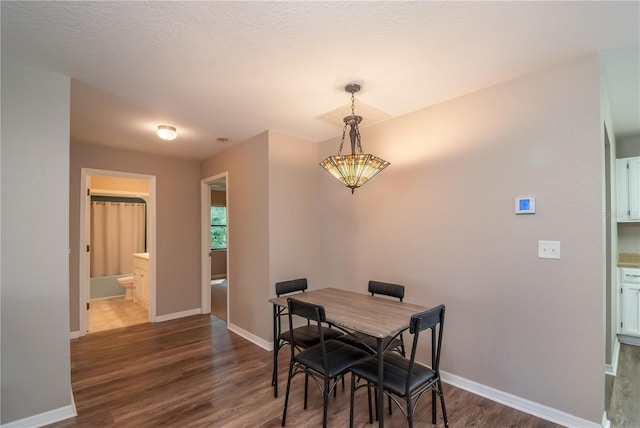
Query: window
218	228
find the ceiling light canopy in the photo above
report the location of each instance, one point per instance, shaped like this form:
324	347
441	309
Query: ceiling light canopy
167	132
357	168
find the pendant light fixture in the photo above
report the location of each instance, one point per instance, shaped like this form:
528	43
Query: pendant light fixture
357	168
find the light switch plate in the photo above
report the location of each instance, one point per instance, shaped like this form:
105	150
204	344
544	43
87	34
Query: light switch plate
549	249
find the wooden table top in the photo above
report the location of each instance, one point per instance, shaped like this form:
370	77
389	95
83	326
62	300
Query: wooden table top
376	316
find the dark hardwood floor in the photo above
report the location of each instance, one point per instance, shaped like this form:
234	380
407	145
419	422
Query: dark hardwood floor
193	372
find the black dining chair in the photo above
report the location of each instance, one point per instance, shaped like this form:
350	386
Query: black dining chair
404	378
369	343
306	335
324	362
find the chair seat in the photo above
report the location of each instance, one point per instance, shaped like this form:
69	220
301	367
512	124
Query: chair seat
339	357
395	372
369	343
307	335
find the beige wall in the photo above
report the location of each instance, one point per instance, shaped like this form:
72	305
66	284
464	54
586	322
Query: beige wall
218	197
218	263
35	358
293	211
441	220
272	217
177	217
248	228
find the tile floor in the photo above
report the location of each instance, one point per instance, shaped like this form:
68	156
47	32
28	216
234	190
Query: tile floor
115	312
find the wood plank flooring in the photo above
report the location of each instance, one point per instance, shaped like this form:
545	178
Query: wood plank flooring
624	411
193	372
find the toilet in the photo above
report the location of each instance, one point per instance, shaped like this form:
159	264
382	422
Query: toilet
127	283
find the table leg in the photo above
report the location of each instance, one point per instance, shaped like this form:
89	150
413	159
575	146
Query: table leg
274	377
380	403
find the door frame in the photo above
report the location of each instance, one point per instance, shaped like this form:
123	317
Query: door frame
85	227
205	242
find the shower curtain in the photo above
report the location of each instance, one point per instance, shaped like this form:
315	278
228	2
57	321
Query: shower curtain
117	231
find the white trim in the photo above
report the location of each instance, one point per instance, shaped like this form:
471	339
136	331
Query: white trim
612	369
176	315
518	403
205	243
605	421
205	224
45	418
264	344
74	335
629	340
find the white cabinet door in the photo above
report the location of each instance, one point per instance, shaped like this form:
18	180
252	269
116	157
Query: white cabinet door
633	172
628	193
630	286
141	282
631	309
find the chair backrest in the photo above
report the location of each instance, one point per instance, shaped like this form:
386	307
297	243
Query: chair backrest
387	289
291	286
286	287
314	314
432	319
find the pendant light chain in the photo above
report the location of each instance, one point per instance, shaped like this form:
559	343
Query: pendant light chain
353	113
356	168
344	132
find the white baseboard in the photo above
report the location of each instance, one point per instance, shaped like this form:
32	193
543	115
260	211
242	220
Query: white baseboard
518	403
629	340
176	315
264	344
612	369
74	335
605	421
43	419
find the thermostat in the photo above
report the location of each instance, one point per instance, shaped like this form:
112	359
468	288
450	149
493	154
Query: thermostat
526	205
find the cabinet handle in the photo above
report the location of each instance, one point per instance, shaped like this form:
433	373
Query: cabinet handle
632	276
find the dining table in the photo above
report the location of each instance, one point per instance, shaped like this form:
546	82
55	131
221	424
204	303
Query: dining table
350	311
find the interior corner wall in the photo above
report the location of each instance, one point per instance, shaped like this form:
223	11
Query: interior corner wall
440	219
293	196
248	231
35	243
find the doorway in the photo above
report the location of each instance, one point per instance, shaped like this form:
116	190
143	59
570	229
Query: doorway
215	249
120	298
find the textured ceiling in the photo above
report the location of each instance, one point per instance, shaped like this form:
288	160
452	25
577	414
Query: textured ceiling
234	69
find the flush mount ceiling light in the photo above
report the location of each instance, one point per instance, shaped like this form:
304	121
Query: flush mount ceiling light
357	168
167	132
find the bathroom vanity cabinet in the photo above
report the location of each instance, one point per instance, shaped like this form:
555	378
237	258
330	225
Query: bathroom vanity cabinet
141	279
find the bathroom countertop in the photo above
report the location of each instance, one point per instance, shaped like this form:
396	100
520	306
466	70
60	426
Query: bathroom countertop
141	255
629	260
